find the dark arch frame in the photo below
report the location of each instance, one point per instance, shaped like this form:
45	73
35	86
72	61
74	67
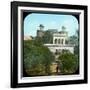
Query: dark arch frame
56	41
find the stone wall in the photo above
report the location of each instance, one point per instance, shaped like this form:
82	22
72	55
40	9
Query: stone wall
54	47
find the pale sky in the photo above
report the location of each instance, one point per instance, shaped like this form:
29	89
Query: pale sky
50	21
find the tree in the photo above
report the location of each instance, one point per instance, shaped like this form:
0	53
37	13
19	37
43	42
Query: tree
37	58
75	40
68	63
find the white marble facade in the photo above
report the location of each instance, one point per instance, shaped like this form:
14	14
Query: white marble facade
60	42
60	38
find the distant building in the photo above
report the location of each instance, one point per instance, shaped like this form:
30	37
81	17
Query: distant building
60	42
53	30
40	33
60	38
27	38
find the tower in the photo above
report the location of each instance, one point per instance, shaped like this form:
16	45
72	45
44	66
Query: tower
40	32
41	27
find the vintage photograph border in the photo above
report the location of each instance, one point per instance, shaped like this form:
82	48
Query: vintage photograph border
14	43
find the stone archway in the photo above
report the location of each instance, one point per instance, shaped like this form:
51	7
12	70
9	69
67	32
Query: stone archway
56	41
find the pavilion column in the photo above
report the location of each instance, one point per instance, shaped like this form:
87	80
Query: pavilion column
57	41
53	41
60	41
63	41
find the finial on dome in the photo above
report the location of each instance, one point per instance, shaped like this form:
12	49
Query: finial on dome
63	28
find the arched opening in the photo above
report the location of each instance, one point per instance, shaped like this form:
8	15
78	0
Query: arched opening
66	41
62	41
58	41
55	41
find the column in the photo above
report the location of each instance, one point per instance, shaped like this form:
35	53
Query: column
63	41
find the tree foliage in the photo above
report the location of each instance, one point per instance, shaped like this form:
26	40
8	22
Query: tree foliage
75	40
37	58
69	63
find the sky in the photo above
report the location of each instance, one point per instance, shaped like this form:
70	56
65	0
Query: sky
50	21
